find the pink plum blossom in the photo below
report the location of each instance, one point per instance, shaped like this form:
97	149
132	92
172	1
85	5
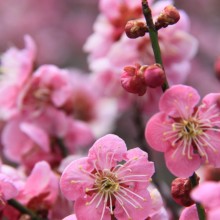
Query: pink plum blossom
87	105
188	134
16	68
41	188
110	181
39	137
49	85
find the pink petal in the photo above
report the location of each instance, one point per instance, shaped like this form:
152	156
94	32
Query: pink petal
137	164
179	101
7	188
15	147
213	214
155	129
38	179
70	217
78	135
107	151
90	212
76	178
60	95
211	99
213	155
37	134
179	164
134	213
189	213
206	192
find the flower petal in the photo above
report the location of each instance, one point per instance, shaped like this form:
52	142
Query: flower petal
179	101
107	151
189	213
180	165
155	130
76	178
206	192
140	213
137	168
90	212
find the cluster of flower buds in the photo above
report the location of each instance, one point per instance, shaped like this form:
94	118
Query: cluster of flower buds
168	16
135	28
181	189
138	28
136	79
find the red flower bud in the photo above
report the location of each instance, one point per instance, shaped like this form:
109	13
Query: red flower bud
135	28
154	76
133	81
168	16
180	190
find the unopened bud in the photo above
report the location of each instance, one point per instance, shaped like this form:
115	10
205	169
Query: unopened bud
180	190
132	81
154	75
135	28
168	16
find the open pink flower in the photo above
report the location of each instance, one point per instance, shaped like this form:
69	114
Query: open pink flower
110	181
187	134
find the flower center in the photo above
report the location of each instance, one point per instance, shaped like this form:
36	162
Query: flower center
107	182
191	135
190	128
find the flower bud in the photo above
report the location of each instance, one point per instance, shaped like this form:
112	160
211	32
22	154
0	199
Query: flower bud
168	16
180	190
133	81
135	29
154	75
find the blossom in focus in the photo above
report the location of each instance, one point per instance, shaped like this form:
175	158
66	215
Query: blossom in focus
110	181
188	134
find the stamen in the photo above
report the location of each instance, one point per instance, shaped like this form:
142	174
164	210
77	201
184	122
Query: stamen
125	199
110	202
122	205
135	194
104	206
93	199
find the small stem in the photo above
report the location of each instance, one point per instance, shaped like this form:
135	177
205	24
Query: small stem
199	207
154	38
17	205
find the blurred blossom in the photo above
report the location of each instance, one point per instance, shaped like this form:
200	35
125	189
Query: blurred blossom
178	47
